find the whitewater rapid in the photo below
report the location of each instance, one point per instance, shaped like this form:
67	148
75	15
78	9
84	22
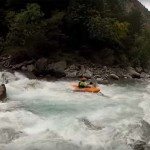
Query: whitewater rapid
41	115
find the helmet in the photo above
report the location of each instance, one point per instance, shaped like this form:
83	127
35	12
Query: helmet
83	79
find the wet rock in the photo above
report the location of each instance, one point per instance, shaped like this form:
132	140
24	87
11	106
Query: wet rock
133	73
113	76
23	68
29	75
2	92
102	81
90	125
31	68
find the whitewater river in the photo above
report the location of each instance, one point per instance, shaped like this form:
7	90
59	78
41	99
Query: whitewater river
42	115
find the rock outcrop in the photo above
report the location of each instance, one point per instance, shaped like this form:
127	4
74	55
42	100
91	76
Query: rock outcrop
2	92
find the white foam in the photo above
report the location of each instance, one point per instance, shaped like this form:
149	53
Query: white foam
50	111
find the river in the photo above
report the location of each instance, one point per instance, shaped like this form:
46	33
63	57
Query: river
41	115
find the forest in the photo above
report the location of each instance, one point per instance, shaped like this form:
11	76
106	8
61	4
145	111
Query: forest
102	31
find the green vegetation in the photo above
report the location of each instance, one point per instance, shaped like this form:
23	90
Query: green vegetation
87	27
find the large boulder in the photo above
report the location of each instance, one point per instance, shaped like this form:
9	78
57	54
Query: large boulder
59	66
2	92
57	69
133	73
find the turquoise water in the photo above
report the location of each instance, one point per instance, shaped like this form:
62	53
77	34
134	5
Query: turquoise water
42	115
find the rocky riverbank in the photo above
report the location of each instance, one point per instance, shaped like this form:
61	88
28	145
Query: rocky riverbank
47	69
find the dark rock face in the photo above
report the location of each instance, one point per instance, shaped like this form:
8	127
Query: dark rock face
2	92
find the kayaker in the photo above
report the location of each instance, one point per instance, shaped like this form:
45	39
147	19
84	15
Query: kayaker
83	83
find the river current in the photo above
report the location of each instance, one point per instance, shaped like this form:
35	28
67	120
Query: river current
41	115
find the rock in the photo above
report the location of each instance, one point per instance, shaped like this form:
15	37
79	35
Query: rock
102	81
41	64
133	73
25	63
2	92
127	76
105	68
113	76
57	69
85	72
59	66
139	69
88	74
57	73
144	75
72	67
23	68
31	68
90	125
82	71
139	145
71	74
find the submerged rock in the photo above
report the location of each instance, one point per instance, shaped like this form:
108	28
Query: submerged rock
90	125
8	134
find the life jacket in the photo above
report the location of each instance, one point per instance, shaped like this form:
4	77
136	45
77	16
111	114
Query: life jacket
82	84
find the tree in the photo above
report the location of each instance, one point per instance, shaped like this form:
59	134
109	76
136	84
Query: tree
24	24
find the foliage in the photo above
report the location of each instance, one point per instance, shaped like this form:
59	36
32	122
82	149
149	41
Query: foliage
48	27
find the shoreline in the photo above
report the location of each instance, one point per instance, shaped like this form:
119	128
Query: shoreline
45	69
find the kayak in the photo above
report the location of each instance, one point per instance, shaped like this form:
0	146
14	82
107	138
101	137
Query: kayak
88	89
